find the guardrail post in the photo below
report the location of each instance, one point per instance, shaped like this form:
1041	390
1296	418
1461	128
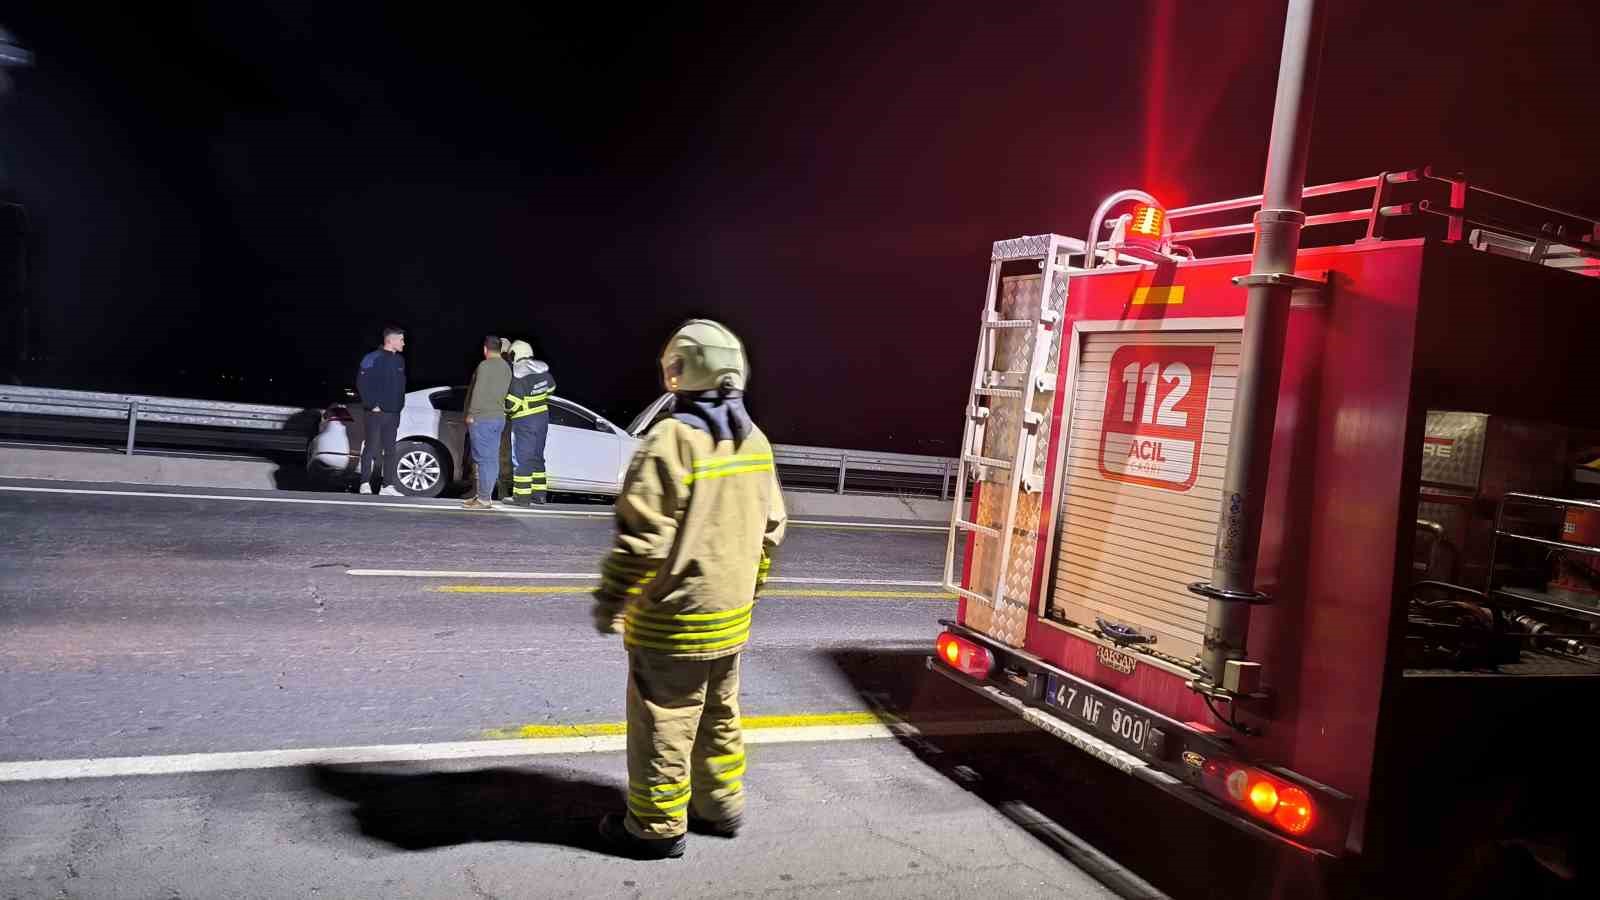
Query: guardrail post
944	486
133	422
843	460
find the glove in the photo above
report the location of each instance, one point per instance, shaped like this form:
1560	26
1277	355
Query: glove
608	616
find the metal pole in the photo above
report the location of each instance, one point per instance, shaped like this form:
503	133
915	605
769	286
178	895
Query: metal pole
1270	284
843	458
133	423
944	485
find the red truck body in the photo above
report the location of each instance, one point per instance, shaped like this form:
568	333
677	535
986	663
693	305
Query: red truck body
1126	512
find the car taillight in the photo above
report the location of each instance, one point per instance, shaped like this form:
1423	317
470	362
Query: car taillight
964	656
337	414
1264	796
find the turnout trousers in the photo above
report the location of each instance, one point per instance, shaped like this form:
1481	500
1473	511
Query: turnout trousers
685	742
528	435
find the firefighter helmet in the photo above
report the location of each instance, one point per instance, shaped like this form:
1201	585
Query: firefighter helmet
703	356
520	350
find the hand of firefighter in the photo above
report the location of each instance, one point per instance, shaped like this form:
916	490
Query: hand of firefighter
607	615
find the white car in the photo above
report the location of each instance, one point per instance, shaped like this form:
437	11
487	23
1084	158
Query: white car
585	454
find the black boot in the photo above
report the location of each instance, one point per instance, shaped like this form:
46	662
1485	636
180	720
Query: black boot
539	498
724	828
624	842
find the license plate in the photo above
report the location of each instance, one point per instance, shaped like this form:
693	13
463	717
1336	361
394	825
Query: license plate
1100	713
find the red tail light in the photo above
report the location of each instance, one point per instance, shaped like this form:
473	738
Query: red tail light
1294	811
337	414
964	656
1264	796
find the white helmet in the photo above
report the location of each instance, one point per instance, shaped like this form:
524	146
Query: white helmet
520	350
703	356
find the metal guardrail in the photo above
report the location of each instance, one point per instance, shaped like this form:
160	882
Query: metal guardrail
843	462
135	408
887	470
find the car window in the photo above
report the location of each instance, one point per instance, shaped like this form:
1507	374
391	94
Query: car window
648	417
449	399
561	414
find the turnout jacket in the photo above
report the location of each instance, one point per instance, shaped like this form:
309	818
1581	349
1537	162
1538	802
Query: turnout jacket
697	523
531	387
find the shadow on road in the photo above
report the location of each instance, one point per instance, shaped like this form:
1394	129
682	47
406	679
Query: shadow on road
428	810
1136	841
1111	825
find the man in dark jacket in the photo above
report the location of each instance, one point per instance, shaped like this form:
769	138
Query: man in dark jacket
381	382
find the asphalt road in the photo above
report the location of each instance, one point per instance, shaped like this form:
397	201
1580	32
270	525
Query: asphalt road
140	625
147	625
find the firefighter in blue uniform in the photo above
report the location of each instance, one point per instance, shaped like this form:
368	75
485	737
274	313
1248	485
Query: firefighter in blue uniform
528	411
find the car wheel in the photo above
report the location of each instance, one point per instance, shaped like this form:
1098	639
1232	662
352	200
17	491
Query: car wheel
418	469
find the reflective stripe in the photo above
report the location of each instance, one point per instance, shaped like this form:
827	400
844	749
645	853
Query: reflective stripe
718	462
687	632
522	407
644	630
668	801
630	640
724	466
724	473
631	587
727	769
705	618
622	575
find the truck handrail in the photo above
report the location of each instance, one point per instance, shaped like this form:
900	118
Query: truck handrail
1572	245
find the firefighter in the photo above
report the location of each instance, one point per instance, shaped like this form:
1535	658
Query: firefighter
699	517
528	409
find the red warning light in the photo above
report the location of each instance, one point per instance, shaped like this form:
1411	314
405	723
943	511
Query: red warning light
1147	222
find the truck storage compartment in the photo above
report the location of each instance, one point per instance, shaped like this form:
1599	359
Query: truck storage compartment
1142	485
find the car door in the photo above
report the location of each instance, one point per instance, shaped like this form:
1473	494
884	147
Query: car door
452	424
584	451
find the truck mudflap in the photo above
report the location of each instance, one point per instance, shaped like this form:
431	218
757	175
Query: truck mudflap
1200	769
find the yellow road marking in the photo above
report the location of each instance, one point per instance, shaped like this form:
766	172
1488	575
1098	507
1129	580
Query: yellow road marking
595	729
771	592
907	595
514	589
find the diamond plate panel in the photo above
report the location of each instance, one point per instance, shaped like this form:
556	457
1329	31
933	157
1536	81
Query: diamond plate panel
1453	448
1052	363
1011	616
985	557
1019	299
1033	246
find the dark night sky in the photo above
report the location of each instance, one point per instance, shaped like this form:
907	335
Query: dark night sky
256	188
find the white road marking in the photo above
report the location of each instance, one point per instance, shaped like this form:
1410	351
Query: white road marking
794	522
866	526
428	507
195	763
594	576
311	501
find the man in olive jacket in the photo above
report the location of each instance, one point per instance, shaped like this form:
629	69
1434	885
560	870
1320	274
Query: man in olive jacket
698	519
486	419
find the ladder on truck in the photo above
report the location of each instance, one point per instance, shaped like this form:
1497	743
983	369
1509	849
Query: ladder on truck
1007	420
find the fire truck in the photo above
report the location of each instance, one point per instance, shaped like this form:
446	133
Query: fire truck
1304	537
1425	545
